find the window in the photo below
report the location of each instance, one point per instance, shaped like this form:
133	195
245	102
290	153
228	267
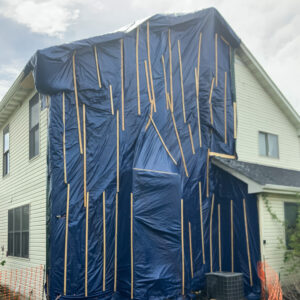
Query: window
291	211
268	145
18	232
6	150
34	117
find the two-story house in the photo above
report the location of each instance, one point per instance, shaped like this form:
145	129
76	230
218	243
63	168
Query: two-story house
268	151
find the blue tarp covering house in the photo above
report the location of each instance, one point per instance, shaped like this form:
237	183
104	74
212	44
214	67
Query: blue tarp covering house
136	209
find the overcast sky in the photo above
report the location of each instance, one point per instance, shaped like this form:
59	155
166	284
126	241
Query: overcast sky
269	28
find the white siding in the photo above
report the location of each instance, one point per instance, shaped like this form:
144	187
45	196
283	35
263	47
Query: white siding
273	232
25	184
257	112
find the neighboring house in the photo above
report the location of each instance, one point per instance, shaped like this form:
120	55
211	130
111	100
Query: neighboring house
268	149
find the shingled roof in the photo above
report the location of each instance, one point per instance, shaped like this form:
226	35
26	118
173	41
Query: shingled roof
262	174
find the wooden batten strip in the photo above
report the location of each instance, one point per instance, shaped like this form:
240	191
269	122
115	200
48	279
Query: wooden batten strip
86	245
131	241
231	235
210	101
150	116
84	154
180	147
104	242
181	82
216	57
171	72
198	108
224	40
118	152
247	241
225	108
64	137
122	84
222	155
201	222
191	138
234	121
111	100
210	232
191	250
219	238
66	240
97	66
199	56
162	141
116	243
169	101
77	105
147	81
182	248
150	67
207	173
137	70
149	95
165	80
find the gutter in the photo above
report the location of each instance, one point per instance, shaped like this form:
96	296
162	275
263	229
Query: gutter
281	189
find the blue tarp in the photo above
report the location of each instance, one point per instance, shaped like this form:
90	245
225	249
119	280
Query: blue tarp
149	265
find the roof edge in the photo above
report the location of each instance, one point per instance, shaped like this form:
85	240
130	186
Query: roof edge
12	90
256	188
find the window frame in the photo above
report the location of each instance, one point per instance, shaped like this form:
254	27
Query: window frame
6	154
20	231
35	100
266	135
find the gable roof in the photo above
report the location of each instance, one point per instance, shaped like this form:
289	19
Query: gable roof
24	86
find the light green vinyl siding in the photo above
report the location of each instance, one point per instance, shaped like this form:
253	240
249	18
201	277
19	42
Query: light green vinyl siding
25	184
256	112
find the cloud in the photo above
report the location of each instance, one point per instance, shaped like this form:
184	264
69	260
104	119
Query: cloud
267	27
8	74
52	17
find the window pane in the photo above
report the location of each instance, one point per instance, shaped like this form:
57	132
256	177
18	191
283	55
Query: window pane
273	145
10	250
36	141
262	144
17	220
10	220
6	141
17	244
25	218
7	162
290	214
34	111
25	244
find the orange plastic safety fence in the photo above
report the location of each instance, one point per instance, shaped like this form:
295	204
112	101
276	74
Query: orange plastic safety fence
22	283
270	283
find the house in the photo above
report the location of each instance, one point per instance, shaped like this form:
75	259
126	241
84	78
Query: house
268	151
